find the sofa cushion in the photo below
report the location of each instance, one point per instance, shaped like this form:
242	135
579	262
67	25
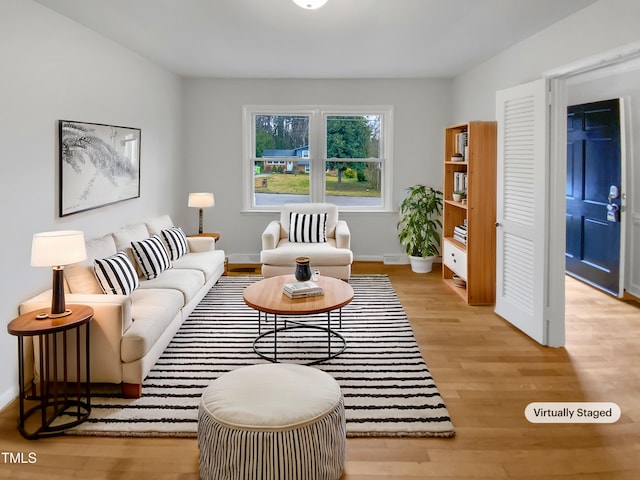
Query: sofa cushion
187	281
176	240
210	262
80	276
157	224
307	227
319	253
131	233
151	311
116	275
152	256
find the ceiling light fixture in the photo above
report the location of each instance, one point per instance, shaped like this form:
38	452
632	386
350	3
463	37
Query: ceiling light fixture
310	4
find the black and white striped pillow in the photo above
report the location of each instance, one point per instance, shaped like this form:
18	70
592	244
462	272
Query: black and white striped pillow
152	256
176	240
116	275
307	227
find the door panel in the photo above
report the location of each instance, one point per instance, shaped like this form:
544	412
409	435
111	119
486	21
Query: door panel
593	165
522	116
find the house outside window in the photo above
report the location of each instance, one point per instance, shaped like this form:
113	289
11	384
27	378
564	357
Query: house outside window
297	154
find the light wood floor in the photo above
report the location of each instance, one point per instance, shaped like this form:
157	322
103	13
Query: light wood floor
487	372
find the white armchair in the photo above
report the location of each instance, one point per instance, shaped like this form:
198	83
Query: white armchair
333	258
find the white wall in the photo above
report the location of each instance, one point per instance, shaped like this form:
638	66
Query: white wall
597	28
50	69
213	148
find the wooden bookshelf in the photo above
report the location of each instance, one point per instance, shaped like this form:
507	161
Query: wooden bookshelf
473	261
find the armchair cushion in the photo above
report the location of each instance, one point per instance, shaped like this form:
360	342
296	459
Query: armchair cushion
319	254
308	227
330	209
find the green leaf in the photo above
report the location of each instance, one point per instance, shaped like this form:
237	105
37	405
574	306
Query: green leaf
420	224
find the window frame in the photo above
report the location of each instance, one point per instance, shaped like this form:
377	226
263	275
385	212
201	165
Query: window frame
317	150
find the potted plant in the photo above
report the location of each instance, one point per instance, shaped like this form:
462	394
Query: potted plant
458	195
419	226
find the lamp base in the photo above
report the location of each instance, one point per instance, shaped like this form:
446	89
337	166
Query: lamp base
58	315
44	316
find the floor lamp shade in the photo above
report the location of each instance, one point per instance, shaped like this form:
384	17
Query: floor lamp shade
201	200
57	249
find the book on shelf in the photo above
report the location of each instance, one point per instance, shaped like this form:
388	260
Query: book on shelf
460	230
462	140
460	238
460	233
459	182
302	289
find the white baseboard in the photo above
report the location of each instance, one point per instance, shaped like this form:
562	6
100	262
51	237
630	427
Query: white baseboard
367	258
395	259
243	258
8	396
387	259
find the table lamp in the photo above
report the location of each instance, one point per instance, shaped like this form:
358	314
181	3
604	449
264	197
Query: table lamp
201	201
57	249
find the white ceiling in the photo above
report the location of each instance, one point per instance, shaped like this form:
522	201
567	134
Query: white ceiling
343	39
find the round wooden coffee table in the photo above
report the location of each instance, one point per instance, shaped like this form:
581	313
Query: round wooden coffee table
266	296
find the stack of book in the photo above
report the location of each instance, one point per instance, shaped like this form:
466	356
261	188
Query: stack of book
302	289
460	233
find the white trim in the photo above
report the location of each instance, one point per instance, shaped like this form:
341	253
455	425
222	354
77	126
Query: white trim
624	188
558	173
614	56
554	307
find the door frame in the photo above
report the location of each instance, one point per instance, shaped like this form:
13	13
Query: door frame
555	294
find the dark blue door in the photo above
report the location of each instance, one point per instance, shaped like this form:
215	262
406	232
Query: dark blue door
593	194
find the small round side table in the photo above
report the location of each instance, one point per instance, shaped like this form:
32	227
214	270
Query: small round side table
56	398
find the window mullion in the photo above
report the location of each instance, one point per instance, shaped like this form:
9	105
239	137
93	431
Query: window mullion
317	152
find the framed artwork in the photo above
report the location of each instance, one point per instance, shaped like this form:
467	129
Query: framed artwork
99	165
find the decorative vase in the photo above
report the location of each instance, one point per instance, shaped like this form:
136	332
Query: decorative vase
303	269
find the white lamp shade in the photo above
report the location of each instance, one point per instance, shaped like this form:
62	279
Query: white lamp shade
310	4
51	249
201	200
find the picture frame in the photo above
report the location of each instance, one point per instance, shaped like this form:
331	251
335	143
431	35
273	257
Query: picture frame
99	165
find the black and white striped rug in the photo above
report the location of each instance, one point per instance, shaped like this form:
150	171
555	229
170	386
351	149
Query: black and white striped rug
387	387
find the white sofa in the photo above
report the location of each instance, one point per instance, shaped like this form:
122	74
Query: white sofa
130	332
333	258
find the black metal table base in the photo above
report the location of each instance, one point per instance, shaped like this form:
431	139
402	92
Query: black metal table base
78	409
56	400
333	350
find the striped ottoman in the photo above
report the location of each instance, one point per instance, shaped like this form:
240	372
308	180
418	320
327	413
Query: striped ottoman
272	422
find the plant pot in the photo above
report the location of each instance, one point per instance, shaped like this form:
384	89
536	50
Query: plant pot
421	264
457	197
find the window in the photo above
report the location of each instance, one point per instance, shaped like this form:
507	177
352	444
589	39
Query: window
339	155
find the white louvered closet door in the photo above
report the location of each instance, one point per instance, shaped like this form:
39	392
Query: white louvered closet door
522	114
